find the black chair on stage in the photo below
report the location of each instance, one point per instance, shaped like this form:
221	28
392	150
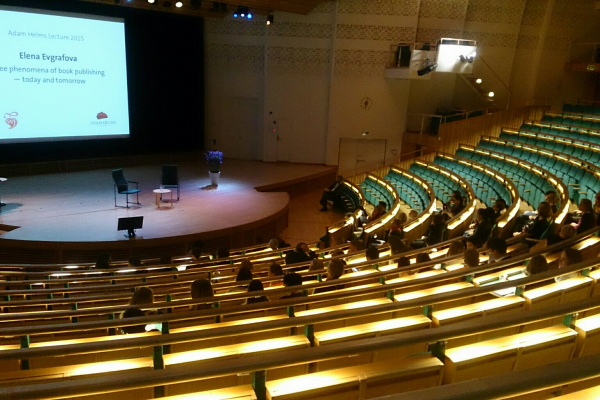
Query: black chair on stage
122	187
169	178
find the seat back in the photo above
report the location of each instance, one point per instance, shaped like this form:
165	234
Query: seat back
169	175
120	180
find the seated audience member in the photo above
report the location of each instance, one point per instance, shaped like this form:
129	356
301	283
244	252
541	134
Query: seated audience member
244	274
282	243
335	270
132	313
403	261
355	245
395	229
275	271
256	286
422	258
332	192
537	264
470	243
134	261
103	261
551	198
412	215
377	213
587	220
292	279
274	244
471	257
316	265
541	223
223	252
247	264
455	205
485	224
567	258
456	248
372	252
142	295
499	207
362	217
435	233
298	255
337	253
201	288
196	254
398	245
497	248
566	232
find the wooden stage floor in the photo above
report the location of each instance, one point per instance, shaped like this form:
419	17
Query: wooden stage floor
79	206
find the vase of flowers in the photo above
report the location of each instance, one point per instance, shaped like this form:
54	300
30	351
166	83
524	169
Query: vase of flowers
214	159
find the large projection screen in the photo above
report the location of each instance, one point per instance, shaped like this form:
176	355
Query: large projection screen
62	76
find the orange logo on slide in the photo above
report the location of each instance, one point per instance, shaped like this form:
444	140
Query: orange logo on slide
101	115
10	119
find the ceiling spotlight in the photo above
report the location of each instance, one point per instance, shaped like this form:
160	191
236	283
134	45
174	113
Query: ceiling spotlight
270	19
427	69
151	1
249	16
491	94
179	4
478	81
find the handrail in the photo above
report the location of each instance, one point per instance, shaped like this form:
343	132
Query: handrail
263	362
459	273
510	384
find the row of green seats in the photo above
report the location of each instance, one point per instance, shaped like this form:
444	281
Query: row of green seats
581	183
581	109
531	186
586	135
590	154
409	191
375	192
572	120
441	184
487	188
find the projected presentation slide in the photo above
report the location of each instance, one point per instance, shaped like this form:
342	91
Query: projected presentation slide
61	77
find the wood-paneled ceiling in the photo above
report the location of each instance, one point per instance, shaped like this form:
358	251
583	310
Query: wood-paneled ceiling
216	9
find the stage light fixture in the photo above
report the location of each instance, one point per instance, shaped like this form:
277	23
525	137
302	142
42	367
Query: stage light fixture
427	69
462	58
491	94
179	4
249	16
471	57
270	19
151	1
478	81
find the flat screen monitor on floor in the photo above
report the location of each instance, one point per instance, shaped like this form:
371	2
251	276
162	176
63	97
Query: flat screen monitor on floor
130	224
62	76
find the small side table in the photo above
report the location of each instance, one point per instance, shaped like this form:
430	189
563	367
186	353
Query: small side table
159	193
2	180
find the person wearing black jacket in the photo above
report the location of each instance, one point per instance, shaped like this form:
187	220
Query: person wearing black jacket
331	192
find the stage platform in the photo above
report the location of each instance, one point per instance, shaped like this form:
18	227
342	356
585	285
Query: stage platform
71	217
